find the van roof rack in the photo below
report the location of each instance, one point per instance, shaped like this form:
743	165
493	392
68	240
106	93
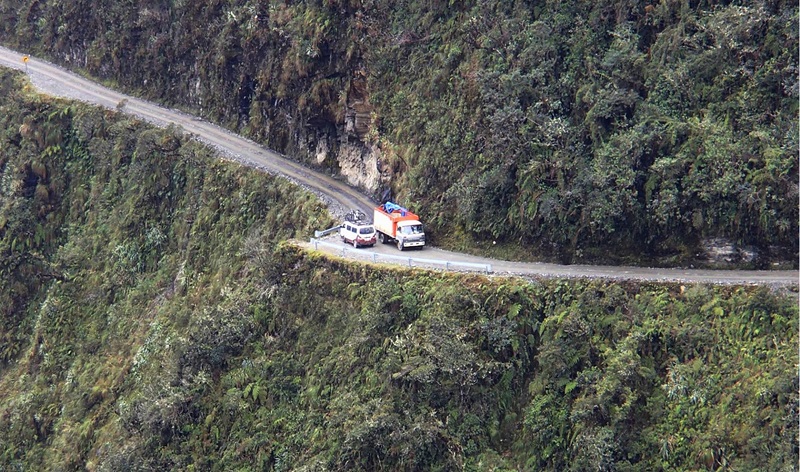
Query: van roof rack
356	216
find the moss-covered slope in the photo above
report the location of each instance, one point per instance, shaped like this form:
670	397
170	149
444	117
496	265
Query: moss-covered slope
153	320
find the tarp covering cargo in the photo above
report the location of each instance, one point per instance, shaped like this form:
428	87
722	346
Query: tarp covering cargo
390	207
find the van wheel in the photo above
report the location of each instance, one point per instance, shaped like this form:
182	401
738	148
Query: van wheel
355	243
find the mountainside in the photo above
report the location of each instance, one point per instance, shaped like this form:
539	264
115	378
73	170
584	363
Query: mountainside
583	131
154	318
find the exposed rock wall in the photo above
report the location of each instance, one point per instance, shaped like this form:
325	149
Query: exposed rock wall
357	162
355	158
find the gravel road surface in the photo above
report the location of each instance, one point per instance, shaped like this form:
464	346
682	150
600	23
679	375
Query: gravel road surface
55	80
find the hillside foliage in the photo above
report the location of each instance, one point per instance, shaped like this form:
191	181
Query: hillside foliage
154	319
576	130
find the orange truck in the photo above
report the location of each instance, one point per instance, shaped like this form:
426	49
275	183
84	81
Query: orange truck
396	224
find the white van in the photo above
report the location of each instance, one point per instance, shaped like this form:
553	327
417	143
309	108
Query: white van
358	234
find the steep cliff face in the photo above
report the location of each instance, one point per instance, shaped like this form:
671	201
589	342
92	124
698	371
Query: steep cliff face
354	148
285	75
153	317
107	225
357	162
601	131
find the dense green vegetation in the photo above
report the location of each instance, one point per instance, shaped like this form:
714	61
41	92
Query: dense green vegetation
153	320
603	124
108	228
579	129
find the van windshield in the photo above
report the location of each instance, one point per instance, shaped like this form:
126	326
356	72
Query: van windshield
413	229
366	230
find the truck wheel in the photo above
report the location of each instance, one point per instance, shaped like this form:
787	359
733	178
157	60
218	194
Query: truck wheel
400	245
381	238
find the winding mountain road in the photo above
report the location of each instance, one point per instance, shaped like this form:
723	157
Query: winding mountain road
54	80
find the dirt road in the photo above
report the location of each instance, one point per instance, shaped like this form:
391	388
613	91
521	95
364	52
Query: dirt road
54	80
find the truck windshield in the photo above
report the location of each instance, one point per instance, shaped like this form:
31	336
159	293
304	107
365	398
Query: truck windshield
414	229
